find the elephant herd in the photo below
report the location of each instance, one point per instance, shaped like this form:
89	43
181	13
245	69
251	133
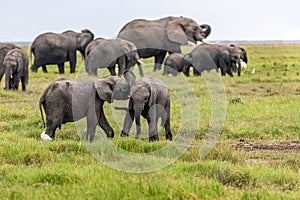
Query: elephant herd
67	100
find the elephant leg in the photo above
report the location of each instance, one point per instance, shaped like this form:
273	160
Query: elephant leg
223	67
196	72
2	70
91	127
61	68
239	72
92	72
228	71
72	60
128	120
186	70
103	121
112	70
16	81
23	82
167	123
121	65
152	125
44	68
159	60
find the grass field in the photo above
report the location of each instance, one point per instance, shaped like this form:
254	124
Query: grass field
256	155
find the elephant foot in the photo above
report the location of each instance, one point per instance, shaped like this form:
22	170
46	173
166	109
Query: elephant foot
123	134
110	134
169	137
153	138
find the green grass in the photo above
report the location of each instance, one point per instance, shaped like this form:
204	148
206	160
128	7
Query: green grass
262	107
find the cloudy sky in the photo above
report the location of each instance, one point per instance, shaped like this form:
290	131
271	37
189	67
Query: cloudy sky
230	19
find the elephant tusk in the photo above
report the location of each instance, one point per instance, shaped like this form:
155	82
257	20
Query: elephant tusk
139	62
237	65
11	76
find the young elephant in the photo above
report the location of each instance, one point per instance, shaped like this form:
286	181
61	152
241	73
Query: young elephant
16	67
173	64
66	100
106	53
212	56
150	98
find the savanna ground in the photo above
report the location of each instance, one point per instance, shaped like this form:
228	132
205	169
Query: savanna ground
256	155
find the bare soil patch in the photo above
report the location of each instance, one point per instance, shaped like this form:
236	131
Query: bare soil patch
281	146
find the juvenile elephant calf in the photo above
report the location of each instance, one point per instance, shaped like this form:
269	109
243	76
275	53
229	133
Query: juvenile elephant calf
150	98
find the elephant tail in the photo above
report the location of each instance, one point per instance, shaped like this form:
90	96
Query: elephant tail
31	51
41	103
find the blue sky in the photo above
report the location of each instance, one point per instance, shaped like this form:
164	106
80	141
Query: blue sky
230	19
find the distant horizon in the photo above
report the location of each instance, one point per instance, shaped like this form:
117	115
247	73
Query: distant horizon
25	43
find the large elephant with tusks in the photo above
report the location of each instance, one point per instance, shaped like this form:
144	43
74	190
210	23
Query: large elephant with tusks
157	37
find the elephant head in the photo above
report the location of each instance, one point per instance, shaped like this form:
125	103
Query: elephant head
131	54
13	64
235	58
113	87
243	56
80	40
83	40
181	30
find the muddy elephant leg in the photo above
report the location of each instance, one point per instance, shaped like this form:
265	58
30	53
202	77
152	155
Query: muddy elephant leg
159	60
44	68
61	68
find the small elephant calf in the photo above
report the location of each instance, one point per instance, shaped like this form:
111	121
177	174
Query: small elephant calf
150	98
16	68
173	64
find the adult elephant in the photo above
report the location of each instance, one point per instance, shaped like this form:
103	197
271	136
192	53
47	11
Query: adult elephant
106	53
149	97
213	56
16	68
66	100
53	48
243	56
157	37
4	49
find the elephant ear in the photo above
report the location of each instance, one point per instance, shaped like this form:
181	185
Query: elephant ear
152	90
128	48
85	38
175	31
104	88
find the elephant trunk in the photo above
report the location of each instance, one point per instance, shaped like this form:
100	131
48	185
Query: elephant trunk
138	108
138	125
206	30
